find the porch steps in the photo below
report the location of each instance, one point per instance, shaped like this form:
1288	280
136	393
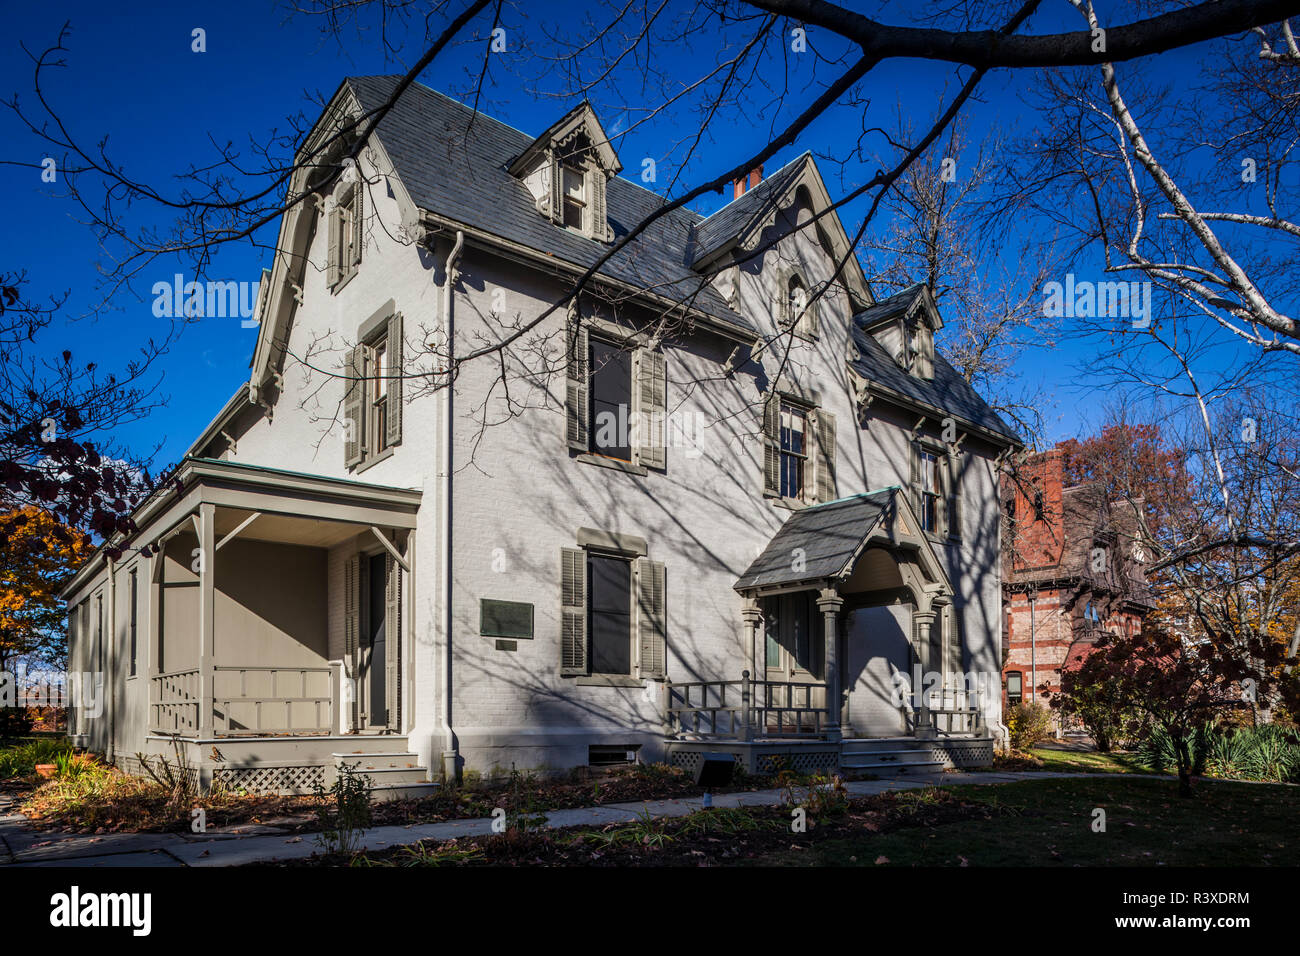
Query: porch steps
889	756
396	775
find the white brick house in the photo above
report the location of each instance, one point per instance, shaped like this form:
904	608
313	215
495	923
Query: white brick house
481	576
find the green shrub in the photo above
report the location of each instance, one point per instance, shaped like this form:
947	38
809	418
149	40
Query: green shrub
343	811
1029	724
20	759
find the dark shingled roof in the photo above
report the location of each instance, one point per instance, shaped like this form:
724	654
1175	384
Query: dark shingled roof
947	391
735	217
829	536
900	303
454	162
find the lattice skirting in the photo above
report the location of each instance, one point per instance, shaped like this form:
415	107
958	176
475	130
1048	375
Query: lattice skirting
964	753
285	780
764	761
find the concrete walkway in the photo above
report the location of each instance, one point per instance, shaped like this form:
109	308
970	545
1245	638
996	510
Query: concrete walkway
21	845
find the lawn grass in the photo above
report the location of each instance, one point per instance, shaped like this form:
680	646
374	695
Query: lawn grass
1050	822
1089	761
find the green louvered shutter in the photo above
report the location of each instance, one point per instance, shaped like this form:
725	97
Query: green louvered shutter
652	398
575	387
652	627
352	628
393	643
573	611
395	349
353	412
825	447
333	254
772	444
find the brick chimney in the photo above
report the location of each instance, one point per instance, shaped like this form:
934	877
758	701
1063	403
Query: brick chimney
743	185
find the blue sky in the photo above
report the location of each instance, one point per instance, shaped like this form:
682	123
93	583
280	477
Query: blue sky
131	74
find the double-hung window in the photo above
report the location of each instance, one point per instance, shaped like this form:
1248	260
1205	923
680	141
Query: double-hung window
931	489
798	449
794	450
372	408
611	400
609	614
574	197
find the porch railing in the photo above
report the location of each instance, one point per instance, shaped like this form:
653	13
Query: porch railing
247	701
948	712
745	709
289	700
174	700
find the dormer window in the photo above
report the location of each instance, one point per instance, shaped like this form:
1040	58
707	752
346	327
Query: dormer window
574	197
566	170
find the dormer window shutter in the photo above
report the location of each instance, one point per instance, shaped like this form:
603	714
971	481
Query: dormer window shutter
353	413
598	228
557	190
652	406
393	386
575	387
783	312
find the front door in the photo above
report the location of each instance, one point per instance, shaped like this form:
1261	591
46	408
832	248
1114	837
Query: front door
373	683
796	652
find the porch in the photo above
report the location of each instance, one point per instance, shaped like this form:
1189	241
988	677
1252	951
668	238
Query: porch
855	653
278	616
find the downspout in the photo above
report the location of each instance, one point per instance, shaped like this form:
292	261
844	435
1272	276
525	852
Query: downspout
450	754
109	655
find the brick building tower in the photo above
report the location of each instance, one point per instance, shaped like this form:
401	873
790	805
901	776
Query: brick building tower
1071	571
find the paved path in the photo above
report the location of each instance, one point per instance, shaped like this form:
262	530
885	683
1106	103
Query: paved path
21	845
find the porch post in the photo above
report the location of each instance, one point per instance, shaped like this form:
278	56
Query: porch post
752	617
924	621
207	614
829	603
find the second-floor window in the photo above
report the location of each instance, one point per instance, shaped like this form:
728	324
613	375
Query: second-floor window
798	450
377	386
935	490
611	400
794	451
931	490
372	408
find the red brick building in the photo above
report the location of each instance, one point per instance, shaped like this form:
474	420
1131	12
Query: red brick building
1071	570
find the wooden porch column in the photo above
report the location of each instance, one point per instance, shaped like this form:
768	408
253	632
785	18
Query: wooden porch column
829	603
207	614
752	617
924	621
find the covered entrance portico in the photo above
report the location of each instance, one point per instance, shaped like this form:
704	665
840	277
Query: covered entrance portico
852	636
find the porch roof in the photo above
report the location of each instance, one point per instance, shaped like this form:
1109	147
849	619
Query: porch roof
291	506
830	537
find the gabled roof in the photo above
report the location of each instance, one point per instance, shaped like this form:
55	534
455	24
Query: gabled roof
741	221
828	536
947	392
581	116
901	305
456	163
735	217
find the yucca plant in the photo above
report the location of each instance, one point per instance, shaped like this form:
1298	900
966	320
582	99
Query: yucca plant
1271	755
